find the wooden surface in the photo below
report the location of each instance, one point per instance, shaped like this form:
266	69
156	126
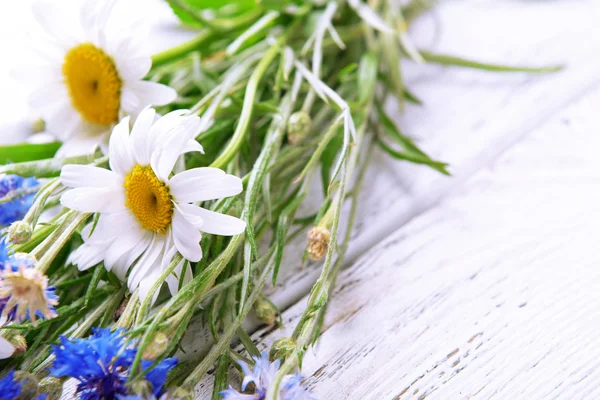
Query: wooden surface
483	285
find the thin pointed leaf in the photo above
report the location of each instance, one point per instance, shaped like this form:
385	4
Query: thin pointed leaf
447	60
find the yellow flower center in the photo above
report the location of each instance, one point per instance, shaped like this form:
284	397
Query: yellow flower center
149	199
93	82
25	289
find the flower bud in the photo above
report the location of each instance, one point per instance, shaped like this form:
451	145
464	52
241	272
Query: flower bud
121	309
282	348
265	310
142	388
157	347
39	125
19	232
51	387
298	127
20	344
179	393
318	242
29	385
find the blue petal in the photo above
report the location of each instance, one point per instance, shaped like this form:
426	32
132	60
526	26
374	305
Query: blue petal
9	387
16	209
158	376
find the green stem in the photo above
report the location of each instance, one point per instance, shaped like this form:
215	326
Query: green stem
238	136
443	59
195	44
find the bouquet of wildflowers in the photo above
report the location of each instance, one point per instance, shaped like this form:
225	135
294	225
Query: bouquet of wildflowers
173	183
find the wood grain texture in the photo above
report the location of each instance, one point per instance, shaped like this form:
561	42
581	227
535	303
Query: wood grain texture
493	293
468	119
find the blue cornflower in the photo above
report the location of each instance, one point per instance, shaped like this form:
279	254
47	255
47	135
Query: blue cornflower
16	208
101	364
24	290
10	387
262	376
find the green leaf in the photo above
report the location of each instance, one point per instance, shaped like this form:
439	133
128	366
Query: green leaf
221	372
410	151
17	153
183	9
274	4
367	77
328	158
444	59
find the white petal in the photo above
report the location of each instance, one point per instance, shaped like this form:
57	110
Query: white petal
37	74
193	145
140	134
135	69
171	146
94	16
162	127
119	148
200	184
104	200
153	93
6	348
190	213
62	121
149	260
83	144
187	237
219	224
123	264
125	242
45	96
130	102
87	255
146	284
109	227
76	176
45	12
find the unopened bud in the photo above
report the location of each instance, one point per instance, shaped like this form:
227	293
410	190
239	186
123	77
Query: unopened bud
299	126
20	344
142	389
121	309
179	393
282	348
29	385
51	387
318	242
265	310
39	125
157	347
19	232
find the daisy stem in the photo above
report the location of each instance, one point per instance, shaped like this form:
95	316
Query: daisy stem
18	193
148	300
39	203
56	241
318	299
246	115
225	339
126	319
259	175
43	361
44	168
193	292
174	53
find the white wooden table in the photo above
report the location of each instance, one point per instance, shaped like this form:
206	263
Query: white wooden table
486	284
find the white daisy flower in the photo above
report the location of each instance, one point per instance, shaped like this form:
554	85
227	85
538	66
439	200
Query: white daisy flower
88	78
146	213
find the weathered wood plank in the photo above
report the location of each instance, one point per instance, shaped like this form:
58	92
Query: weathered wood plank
491	294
